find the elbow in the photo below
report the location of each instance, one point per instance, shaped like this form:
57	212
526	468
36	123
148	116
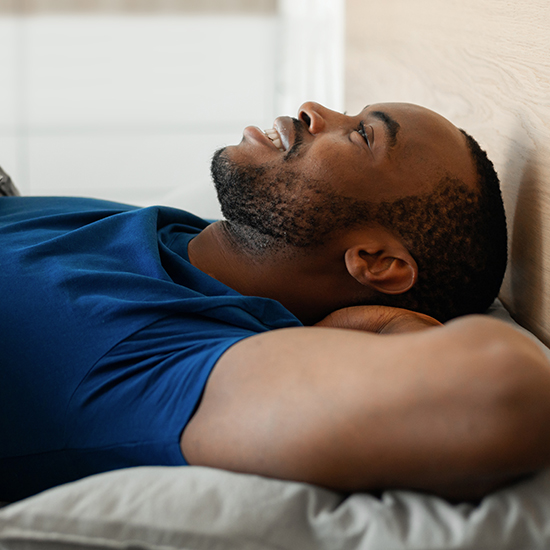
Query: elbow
518	403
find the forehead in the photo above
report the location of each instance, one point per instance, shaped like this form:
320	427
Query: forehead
409	113
428	147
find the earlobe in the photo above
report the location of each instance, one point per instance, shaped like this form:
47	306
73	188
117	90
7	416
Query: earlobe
386	267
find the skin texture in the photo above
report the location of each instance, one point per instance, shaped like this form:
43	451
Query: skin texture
372	397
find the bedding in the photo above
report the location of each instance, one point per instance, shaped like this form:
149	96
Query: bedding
162	508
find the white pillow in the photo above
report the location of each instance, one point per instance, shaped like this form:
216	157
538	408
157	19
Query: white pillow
164	508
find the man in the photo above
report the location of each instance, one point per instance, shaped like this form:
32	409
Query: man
147	336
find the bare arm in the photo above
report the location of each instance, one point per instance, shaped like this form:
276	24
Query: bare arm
454	410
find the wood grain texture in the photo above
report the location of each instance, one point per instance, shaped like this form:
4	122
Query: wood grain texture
32	7
485	65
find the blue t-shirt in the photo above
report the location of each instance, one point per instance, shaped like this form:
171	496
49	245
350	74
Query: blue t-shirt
108	335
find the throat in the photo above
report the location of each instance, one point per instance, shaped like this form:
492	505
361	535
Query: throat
218	252
246	240
222	253
260	248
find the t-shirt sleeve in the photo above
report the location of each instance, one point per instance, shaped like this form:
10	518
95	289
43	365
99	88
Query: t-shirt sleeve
132	406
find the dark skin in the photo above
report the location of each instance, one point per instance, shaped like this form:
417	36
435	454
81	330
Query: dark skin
314	282
372	397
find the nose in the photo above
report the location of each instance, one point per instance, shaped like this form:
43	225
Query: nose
319	118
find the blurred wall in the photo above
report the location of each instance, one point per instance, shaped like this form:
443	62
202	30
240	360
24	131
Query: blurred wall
128	99
140	6
129	106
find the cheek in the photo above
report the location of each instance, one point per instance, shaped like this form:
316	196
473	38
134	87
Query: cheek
330	158
339	169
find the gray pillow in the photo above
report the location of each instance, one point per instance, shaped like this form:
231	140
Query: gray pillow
165	508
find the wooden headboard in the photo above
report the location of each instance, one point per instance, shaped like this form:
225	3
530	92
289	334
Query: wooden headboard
485	65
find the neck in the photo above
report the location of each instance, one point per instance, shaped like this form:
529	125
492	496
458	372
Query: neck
299	281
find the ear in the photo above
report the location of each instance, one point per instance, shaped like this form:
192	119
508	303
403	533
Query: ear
381	261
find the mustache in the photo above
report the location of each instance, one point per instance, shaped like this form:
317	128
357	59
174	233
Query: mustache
299	131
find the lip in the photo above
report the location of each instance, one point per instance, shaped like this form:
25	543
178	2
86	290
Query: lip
285	126
255	134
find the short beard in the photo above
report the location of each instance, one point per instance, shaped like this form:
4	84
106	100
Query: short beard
270	208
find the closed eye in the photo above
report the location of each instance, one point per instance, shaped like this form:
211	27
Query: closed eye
361	131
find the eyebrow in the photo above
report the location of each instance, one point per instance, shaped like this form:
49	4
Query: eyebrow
392	126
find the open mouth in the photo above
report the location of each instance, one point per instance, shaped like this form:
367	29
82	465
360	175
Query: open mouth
274	136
